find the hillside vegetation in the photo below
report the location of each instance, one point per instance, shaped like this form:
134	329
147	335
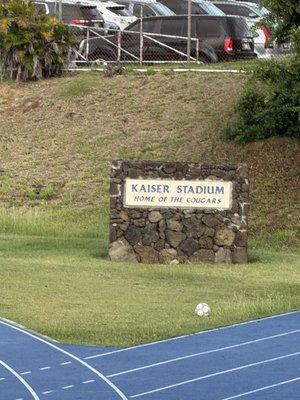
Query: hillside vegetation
59	136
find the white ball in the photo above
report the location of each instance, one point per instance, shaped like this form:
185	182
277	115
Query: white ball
203	310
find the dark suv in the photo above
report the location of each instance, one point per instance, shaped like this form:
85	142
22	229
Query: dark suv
221	38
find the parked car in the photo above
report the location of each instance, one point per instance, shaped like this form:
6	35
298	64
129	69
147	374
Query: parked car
221	38
151	8
264	46
83	14
79	16
115	15
245	9
202	7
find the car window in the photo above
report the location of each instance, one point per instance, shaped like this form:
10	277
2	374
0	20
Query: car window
161	9
119	11
260	10
238	27
206	8
208	27
70	12
196	9
174	27
242	11
178	7
137	10
41	8
90	12
147	11
151	26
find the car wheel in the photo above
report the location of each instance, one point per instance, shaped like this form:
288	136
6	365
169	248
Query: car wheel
102	57
203	59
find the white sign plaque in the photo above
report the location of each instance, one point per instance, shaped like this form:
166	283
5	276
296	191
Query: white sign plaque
156	193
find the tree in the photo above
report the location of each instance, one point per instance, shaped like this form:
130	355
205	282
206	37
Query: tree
285	14
32	45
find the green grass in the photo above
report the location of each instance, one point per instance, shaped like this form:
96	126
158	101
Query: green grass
89	222
77	88
55	279
238	65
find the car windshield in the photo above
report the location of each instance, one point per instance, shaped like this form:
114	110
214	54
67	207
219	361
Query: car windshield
239	10
161	9
209	9
260	10
88	12
120	11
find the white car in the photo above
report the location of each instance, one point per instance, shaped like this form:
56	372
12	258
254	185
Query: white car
116	16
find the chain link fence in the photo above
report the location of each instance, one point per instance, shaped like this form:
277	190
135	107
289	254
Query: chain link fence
99	46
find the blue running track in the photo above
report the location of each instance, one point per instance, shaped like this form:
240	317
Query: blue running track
256	360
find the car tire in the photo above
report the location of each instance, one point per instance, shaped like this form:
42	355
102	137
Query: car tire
203	59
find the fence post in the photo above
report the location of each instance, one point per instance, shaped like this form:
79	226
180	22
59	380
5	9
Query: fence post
189	31
197	50
141	36
87	44
119	38
60	10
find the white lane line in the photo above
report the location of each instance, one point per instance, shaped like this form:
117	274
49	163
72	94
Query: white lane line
95	371
90	381
48	392
202	353
25	373
67	387
66	363
28	387
2	379
262	388
44	368
214	374
185	336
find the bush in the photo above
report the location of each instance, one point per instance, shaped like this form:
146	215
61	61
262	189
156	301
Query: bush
32	45
269	105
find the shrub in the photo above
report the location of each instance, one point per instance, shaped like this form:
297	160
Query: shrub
32	45
269	105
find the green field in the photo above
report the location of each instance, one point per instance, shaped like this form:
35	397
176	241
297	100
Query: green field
58	137
57	281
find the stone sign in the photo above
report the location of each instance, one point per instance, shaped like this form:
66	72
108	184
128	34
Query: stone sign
151	193
178	212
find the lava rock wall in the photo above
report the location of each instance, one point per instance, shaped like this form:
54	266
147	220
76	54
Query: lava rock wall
177	235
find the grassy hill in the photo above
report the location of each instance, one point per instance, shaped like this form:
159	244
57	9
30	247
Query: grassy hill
58	137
